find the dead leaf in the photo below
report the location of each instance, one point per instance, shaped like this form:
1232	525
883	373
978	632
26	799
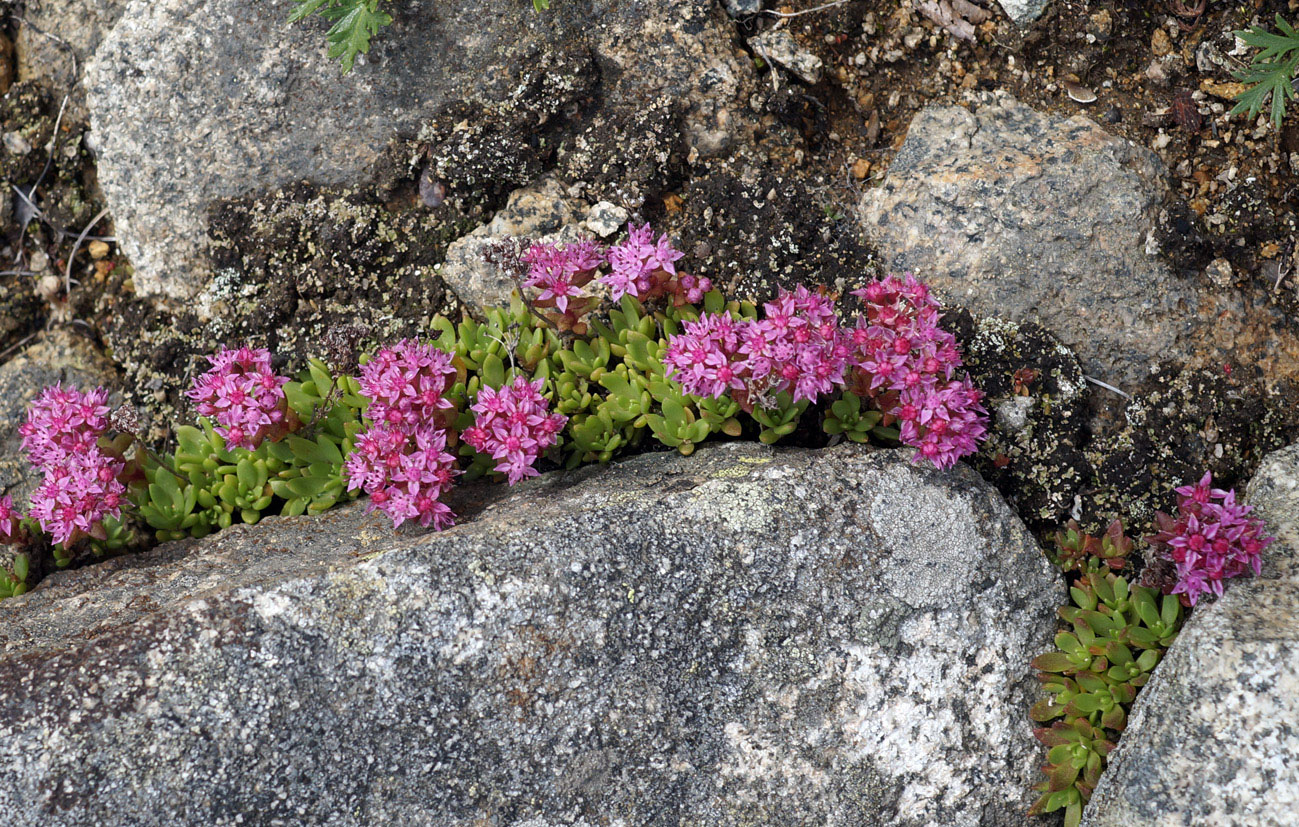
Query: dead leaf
958	17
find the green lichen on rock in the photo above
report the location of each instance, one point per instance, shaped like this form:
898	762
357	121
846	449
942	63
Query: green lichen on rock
1036	396
1191	420
292	266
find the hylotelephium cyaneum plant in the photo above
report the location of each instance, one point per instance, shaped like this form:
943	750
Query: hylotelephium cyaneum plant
599	348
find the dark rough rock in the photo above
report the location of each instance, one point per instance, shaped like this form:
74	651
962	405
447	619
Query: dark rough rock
1212	738
1189	421
291	266
20	310
67	195
264	106
752	234
627	152
1037	399
747	636
54	356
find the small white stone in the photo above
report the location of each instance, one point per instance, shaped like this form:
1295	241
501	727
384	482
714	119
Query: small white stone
605	219
16	144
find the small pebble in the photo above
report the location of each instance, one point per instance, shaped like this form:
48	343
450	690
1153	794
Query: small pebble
605	218
1160	43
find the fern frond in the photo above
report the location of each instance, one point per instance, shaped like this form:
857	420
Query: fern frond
1271	72
355	23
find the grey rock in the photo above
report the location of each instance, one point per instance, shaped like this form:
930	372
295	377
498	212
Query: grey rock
1024	12
1018	213
58	355
1212	739
194	102
779	46
745	636
1274	492
742	8
541	212
55	39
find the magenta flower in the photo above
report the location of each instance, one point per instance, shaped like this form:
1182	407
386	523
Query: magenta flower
646	269
77	494
944	423
1211	539
244	396
561	271
10	521
513	425
401	460
406	382
797	348
634	263
63	422
703	357
909	364
405	470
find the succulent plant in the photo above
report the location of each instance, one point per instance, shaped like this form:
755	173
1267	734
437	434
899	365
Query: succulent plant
846	417
1076	753
13	578
268	444
208	486
1116	634
1078	551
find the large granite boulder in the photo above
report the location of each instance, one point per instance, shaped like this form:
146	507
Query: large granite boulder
747	636
1019	213
1212	738
192	102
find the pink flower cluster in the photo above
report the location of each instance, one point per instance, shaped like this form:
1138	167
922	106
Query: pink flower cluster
898	355
63	421
10	521
1211	539
560	273
405	470
77	494
401	460
513	426
796	348
244	396
640	267
909	364
405	384
646	269
81	485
